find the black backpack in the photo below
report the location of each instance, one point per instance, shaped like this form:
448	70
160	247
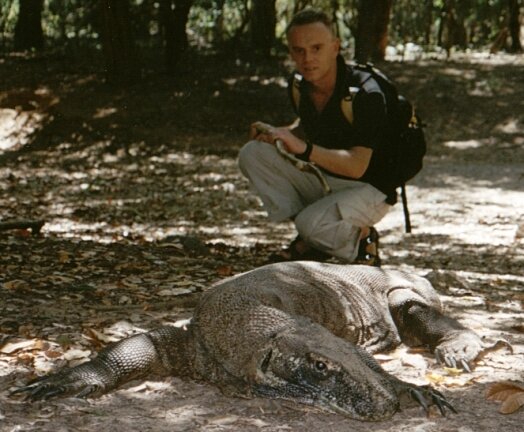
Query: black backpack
405	127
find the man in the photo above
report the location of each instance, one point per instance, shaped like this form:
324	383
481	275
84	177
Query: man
353	156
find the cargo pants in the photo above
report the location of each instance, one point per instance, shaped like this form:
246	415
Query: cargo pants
329	222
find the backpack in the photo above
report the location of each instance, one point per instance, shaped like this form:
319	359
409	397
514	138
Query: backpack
405	127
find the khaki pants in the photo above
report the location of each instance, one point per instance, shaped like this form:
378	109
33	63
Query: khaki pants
330	223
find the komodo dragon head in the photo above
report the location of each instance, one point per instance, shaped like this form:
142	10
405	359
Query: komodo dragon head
308	364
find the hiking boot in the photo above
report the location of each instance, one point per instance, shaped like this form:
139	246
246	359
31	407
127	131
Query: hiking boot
299	250
368	250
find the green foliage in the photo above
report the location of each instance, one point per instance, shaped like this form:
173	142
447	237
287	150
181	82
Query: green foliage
8	14
66	20
215	22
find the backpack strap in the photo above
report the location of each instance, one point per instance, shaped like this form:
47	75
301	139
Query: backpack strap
346	103
407	219
294	86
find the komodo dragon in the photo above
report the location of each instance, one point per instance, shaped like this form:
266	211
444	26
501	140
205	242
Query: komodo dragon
292	331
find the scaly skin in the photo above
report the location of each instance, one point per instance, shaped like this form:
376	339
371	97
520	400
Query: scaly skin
299	331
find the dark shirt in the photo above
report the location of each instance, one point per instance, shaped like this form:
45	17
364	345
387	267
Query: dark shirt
330	128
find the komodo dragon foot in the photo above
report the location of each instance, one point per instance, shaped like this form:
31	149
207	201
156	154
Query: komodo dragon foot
76	382
425	396
459	349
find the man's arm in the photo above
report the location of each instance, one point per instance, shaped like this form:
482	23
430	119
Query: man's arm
349	163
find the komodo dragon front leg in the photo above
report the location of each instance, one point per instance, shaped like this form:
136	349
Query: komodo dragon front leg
452	344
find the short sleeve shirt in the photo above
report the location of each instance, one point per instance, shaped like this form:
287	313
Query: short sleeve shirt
330	128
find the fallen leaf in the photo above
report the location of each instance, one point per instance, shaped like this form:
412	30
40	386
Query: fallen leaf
64	340
413	360
100	339
500	391
12	347
519	328
383	357
57	279
25	233
75	354
16	284
43	365
256	422
64	257
174	292
225	270
52	354
449	381
453	371
510	393
435	378
26	359
512	403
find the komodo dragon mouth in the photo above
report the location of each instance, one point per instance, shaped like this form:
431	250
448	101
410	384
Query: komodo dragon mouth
309	365
300	331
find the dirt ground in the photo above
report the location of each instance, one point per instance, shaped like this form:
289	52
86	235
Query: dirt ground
144	208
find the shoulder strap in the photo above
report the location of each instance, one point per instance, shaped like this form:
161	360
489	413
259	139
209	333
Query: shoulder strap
295	90
346	103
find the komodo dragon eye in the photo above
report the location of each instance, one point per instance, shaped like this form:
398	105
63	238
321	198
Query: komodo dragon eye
320	366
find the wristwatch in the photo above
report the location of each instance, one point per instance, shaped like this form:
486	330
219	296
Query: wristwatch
305	156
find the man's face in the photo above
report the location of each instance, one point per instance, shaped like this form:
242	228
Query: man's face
314	49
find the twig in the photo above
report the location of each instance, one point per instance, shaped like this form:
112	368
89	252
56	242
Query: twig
34	225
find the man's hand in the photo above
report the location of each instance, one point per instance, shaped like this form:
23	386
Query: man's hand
268	133
292	143
261	132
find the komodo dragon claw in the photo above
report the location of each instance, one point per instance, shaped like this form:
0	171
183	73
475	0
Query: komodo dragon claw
43	391
459	349
424	394
68	383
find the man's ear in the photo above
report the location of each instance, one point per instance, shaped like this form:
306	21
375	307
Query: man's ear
337	45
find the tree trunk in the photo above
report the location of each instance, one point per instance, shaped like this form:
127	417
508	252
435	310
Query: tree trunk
263	22
452	29
460	32
28	29
335	6
218	31
173	20
117	42
372	30
514	25
428	13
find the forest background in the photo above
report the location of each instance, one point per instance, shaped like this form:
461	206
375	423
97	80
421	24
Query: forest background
126	28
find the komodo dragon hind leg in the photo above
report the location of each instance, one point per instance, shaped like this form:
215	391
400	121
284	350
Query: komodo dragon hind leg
131	358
